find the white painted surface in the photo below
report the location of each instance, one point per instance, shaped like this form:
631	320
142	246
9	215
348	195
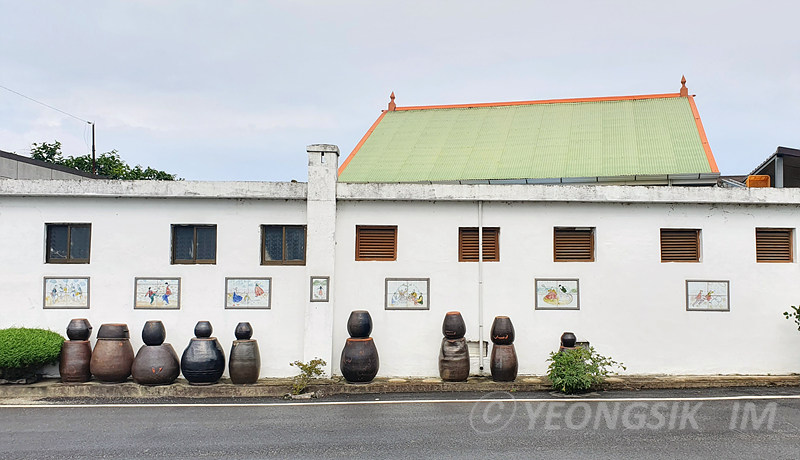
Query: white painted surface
633	307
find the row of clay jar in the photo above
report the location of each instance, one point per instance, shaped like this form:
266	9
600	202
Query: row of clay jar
156	363
203	361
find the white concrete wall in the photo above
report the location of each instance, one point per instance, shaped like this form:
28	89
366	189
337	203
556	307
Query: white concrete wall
131	238
633	307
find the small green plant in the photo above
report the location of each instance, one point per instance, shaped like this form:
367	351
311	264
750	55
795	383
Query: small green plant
793	315
308	371
22	350
576	370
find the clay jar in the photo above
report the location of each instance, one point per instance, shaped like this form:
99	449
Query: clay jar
113	354
154	333
503	363
359	362
568	340
359	324
502	331
453	326
74	365
203	361
156	363
79	329
454	353
245	361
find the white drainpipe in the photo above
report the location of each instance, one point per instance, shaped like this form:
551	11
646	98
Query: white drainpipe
480	286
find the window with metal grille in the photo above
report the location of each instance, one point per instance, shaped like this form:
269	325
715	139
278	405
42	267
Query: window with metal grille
573	244
680	245
283	245
194	244
468	244
774	245
376	242
68	243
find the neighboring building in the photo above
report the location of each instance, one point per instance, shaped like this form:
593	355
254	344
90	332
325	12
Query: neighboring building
675	280
13	166
782	167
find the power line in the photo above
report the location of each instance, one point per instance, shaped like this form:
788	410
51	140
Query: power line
46	105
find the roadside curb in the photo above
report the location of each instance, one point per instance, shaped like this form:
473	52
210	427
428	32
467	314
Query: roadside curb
275	388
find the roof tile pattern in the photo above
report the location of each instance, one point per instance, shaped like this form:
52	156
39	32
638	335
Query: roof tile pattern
601	138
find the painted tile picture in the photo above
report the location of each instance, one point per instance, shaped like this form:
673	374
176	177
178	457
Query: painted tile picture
707	295
557	294
319	288
157	293
248	293
407	294
66	292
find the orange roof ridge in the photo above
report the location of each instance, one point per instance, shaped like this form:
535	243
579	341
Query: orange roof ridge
544	101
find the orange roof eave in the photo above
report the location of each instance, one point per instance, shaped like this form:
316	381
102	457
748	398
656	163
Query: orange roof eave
361	142
703	139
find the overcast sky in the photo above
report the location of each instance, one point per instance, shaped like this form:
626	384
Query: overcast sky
236	90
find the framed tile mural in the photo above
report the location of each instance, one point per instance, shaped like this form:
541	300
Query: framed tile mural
66	292
248	293
319	288
157	293
407	294
557	294
708	295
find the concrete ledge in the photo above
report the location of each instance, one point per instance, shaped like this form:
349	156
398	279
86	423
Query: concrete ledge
274	388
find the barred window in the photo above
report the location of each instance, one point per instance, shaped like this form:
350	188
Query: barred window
283	245
194	244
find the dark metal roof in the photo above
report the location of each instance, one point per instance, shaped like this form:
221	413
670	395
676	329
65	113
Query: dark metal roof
44	164
780	151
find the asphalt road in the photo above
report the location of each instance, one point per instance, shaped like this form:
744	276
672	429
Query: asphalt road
731	424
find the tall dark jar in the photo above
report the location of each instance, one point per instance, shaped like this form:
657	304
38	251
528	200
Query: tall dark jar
203	361
359	362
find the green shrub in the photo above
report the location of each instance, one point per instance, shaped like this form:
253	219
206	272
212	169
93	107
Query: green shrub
22	348
794	315
578	369
309	370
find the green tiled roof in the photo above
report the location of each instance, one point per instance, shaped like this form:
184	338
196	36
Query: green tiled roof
595	138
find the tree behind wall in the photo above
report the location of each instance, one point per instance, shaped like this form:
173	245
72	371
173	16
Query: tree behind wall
109	164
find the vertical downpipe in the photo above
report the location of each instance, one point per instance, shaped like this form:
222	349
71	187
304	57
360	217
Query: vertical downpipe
480	286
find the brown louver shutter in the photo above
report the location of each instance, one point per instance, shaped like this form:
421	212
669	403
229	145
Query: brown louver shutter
680	245
376	242
774	245
468	244
573	245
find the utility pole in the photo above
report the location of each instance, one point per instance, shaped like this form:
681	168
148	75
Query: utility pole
94	161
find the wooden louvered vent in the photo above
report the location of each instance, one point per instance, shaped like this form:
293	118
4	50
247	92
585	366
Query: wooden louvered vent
376	242
573	245
774	245
468	244
680	245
